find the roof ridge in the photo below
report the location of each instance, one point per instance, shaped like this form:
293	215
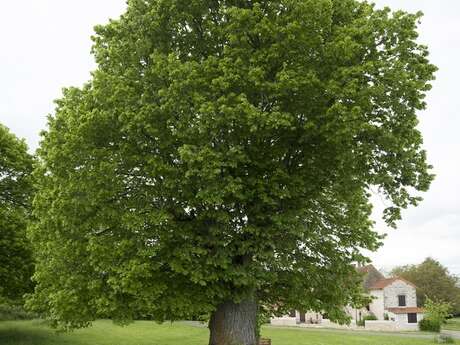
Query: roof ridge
383	283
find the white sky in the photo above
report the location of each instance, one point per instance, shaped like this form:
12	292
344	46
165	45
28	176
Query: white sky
45	45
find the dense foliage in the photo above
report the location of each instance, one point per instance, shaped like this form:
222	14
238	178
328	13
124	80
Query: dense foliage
429	325
437	310
12	311
435	315
223	152
433	281
16	266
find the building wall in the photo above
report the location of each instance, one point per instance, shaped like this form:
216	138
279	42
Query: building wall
399	287
355	314
283	321
377	304
401	320
325	323
398	322
383	299
381	325
287	320
313	317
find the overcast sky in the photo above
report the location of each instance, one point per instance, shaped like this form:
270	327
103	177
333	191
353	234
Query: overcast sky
45	45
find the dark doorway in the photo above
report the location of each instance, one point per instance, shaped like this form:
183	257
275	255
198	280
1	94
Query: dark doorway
412	318
302	317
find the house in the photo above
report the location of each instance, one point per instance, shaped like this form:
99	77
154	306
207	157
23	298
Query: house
394	305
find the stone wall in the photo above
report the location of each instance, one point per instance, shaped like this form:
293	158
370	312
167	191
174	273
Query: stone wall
381	325
403	322
328	324
376	306
283	321
399	287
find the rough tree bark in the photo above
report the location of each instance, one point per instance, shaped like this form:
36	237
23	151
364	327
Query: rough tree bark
234	324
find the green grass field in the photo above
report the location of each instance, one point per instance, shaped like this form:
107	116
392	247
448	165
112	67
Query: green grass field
149	333
453	324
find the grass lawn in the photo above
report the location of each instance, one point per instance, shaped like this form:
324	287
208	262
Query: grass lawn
149	333
453	324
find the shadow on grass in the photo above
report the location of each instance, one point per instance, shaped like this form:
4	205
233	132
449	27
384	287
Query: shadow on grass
30	336
14	337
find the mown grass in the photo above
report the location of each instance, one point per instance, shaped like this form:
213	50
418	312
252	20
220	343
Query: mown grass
453	324
149	333
101	333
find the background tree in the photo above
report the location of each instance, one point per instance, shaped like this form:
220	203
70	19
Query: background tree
220	160
433	281
16	266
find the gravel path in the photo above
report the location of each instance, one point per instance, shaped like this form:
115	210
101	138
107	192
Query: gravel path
409	334
423	335
453	334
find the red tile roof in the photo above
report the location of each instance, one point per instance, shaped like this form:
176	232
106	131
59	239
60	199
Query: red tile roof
383	283
405	310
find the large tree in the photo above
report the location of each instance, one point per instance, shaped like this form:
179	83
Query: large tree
16	266
220	161
433	281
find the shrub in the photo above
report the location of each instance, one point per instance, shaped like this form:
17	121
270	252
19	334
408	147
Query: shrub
14	312
362	322
371	317
430	325
437	310
435	315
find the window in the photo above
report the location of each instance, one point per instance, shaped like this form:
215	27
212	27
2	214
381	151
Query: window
412	318
402	300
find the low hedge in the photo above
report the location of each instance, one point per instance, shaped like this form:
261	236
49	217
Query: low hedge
14	312
430	325
362	322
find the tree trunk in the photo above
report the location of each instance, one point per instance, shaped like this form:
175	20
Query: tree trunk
234	324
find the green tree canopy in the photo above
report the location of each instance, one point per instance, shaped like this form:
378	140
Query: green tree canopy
16	266
221	157
433	281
